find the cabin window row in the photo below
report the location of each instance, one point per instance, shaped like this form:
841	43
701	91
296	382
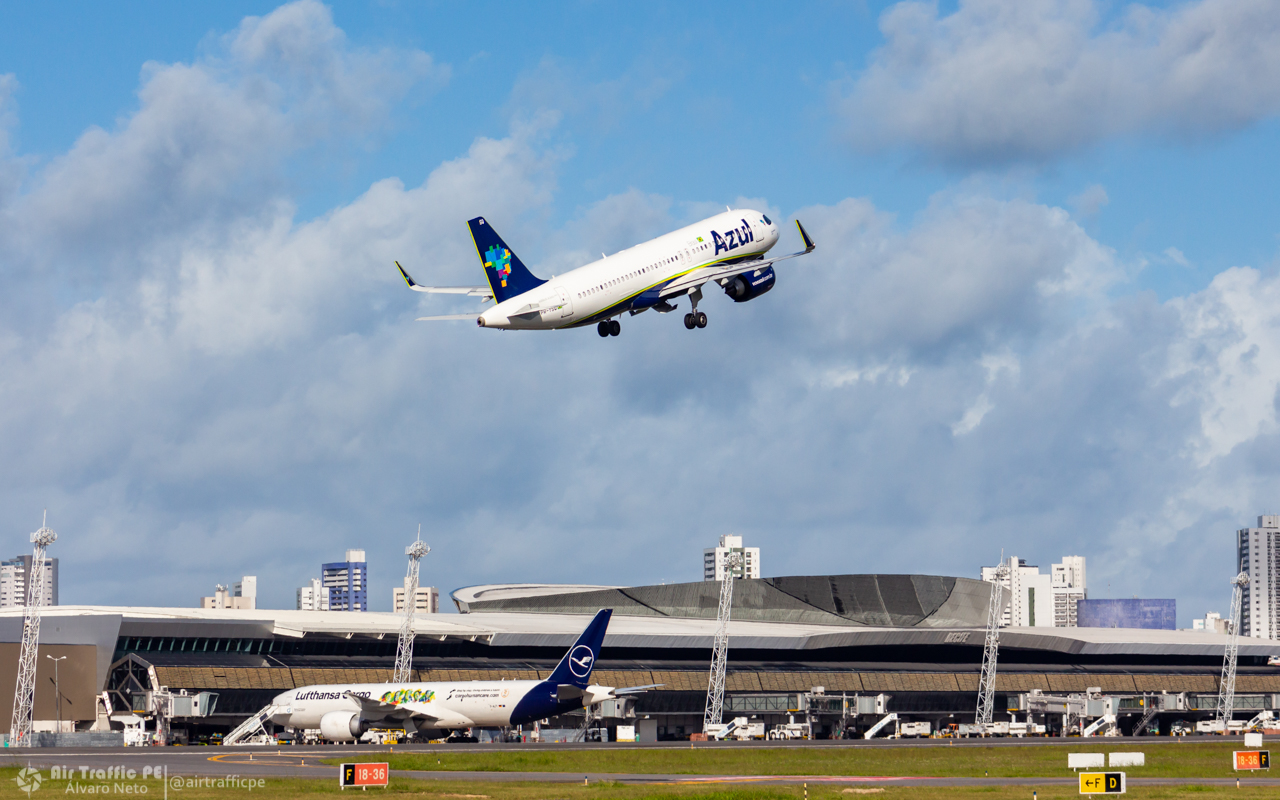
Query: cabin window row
616	281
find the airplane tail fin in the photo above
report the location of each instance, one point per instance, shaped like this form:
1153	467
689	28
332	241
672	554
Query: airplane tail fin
507	274
575	668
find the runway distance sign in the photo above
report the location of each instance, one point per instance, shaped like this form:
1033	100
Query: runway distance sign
1253	759
1101	783
364	775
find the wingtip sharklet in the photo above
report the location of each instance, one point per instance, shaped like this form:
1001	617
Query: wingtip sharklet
804	235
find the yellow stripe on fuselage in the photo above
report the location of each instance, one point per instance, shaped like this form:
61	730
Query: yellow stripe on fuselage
593	317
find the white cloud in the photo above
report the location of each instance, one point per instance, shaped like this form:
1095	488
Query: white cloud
209	139
1176	256
1090	201
995	82
971	269
1232	350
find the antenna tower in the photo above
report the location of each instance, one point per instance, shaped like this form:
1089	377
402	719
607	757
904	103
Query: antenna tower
24	695
404	649
720	648
1227	685
990	649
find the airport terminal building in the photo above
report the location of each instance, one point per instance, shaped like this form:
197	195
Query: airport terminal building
911	642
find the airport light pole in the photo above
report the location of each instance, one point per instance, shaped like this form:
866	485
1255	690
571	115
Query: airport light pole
57	692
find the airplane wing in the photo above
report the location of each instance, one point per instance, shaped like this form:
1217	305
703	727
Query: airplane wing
473	291
447	316
721	274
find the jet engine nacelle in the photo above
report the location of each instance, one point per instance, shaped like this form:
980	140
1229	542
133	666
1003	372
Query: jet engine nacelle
750	285
343	726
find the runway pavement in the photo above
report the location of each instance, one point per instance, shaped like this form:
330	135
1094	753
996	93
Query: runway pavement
305	762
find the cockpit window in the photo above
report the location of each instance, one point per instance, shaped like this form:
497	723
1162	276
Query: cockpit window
767	221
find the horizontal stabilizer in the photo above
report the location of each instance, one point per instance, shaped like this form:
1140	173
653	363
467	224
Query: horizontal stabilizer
473	291
636	689
447	316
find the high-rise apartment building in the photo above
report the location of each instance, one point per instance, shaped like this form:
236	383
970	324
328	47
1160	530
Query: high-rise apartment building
13	581
347	582
1069	589
1258	553
713	559
313	596
1027	595
1035	600
246	590
428	600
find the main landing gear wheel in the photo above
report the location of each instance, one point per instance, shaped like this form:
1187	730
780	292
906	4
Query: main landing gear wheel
691	321
604	328
615	327
702	319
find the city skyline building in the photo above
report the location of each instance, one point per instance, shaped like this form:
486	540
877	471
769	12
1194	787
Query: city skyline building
1258	553
1211	622
1028	594
428	600
13	581
313	596
713	559
1069	588
243	594
1133	612
347	582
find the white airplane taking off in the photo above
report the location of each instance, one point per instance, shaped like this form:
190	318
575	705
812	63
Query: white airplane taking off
344	712
728	249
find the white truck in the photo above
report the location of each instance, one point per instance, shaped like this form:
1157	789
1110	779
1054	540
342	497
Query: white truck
741	729
790	730
910	730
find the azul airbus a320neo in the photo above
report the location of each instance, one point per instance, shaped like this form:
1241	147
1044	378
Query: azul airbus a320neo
728	249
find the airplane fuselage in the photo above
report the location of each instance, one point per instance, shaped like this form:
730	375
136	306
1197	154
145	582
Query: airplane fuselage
632	280
450	705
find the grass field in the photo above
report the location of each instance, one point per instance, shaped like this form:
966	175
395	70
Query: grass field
287	788
1184	760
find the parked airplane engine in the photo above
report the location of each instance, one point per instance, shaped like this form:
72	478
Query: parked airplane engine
343	726
750	285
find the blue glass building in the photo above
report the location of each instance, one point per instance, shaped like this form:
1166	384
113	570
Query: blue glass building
1129	613
347	582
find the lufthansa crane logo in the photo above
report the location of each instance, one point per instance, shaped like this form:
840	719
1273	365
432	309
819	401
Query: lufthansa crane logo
580	660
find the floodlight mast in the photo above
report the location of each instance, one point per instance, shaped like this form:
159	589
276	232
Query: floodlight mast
1227	684
404	648
24	695
711	717
990	649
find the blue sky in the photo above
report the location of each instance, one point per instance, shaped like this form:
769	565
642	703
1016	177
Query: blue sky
1039	319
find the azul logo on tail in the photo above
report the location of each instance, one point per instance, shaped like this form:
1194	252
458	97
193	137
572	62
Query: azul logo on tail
733	238
499	259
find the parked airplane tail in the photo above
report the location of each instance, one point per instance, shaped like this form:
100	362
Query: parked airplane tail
575	668
507	274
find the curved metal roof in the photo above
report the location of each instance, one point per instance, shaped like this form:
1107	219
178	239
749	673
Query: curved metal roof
895	601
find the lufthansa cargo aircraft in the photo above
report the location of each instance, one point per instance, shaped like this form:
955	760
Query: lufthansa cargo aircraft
344	712
727	249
